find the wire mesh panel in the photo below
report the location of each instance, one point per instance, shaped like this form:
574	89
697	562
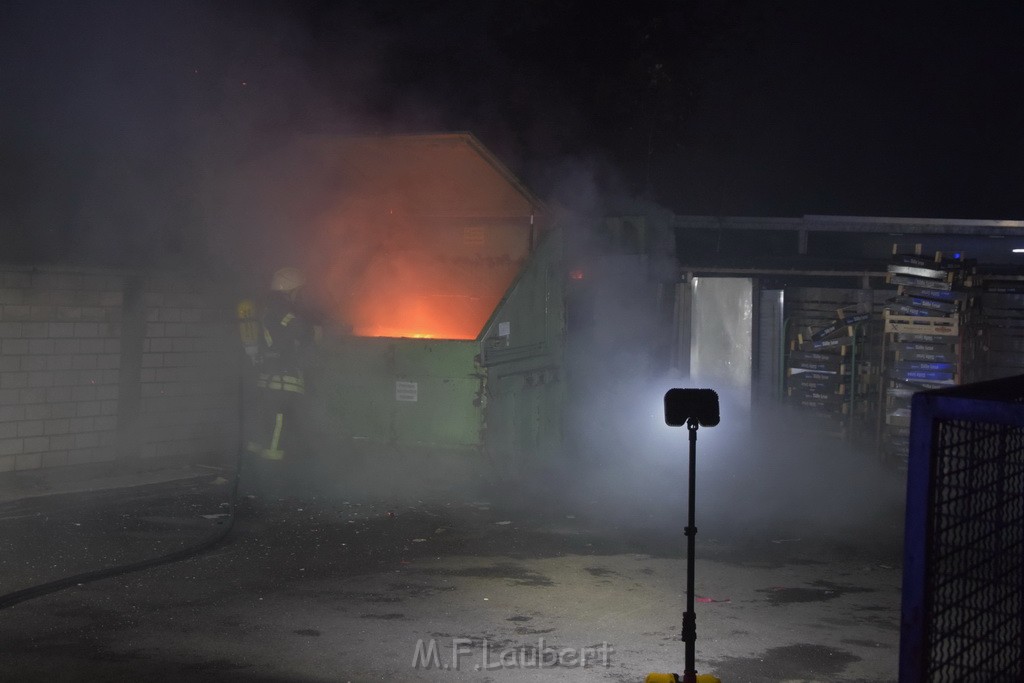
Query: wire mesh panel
963	593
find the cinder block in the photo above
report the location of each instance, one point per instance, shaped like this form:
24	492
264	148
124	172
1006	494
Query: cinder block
170	315
154	329
68	313
16	280
32	363
36	444
58	394
83	393
86	330
107	392
105	423
9	295
111	346
112	299
93	282
43	313
87	440
39	297
54	427
89	408
10	330
49	280
176	330
55	362
109	408
40	346
36	332
94	314
77	425
66	346
11	363
84	362
81	456
108	361
58	330
161	345
173	360
14	347
62	442
28	461
152	360
42	378
17	312
13	380
7	463
12	413
11	446
8	430
32	395
90	345
55	459
38	411
62	410
85	298
30	428
66	378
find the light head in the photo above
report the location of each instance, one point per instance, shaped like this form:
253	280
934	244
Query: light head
699	405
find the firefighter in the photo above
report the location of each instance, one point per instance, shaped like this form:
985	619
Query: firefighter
284	336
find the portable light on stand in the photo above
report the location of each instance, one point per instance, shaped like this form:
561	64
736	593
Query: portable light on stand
693	408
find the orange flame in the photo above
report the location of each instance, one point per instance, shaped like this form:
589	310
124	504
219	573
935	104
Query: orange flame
388	275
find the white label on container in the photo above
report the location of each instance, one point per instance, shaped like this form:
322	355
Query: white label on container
504	329
406	391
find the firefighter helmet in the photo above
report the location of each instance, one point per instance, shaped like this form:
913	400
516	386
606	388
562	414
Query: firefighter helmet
287	280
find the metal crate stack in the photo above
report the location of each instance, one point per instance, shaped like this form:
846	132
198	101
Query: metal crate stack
928	327
829	366
1003	306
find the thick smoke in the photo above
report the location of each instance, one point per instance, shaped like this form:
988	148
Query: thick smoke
172	133
767	471
129	128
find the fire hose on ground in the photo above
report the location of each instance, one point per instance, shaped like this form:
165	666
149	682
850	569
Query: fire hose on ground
213	539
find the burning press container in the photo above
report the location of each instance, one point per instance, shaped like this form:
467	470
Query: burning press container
454	299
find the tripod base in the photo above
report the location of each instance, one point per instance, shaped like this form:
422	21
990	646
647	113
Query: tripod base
675	678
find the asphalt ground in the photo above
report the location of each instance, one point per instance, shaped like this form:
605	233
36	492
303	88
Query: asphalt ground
489	586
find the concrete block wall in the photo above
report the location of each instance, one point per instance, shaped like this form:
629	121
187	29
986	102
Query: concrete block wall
103	366
188	392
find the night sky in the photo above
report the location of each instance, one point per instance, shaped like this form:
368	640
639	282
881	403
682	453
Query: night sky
122	122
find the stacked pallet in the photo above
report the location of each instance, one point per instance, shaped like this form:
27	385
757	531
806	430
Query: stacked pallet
828	365
1003	306
925	326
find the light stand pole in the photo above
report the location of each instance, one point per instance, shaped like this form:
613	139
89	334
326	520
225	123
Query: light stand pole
693	408
689	635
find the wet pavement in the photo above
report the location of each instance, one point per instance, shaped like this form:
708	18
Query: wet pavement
479	589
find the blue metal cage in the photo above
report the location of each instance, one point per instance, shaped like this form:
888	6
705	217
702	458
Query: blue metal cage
963	574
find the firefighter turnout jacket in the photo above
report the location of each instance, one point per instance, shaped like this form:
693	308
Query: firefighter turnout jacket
286	339
276	337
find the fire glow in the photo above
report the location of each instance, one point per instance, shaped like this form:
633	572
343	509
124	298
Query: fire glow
402	281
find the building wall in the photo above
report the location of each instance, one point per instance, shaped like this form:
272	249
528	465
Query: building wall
103	366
